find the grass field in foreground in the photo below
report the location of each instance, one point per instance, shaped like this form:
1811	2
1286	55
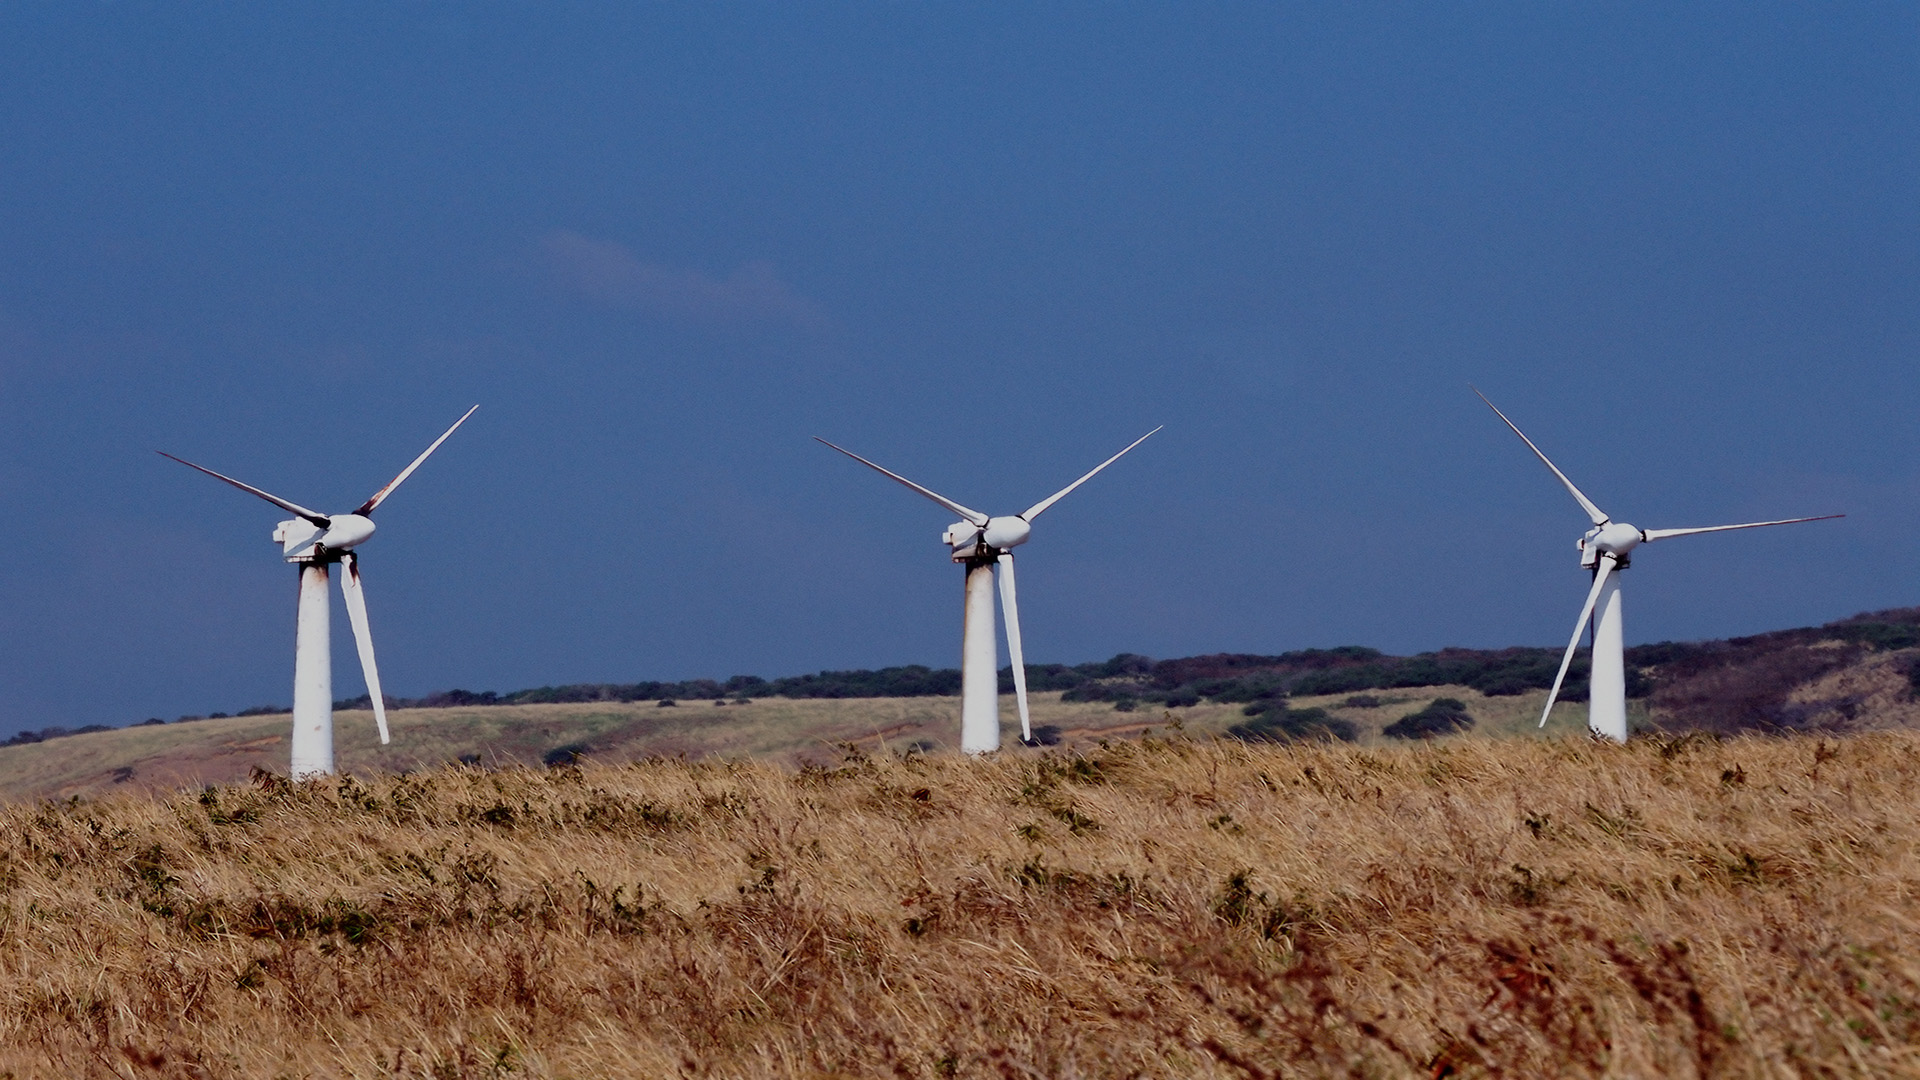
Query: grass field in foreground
1159	907
170	756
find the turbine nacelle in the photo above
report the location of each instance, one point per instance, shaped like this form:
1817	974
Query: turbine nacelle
297	539
349	530
1615	538
303	541
1006	532
970	541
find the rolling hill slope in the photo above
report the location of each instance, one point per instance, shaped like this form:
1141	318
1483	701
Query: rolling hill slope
163	757
1858	674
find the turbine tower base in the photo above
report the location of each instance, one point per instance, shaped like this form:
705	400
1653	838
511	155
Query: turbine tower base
1607	685
312	678
979	665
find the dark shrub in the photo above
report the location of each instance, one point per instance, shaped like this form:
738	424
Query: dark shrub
1045	735
1879	635
668	703
1347	680
569	754
1260	687
1444	717
1506	686
1278	723
912	680
1752	689
1125	665
1093	691
457	698
150	721
1042	677
1639	685
1362	701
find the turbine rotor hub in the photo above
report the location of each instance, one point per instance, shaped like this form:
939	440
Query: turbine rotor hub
1006	532
347	531
302	541
970	541
1615	538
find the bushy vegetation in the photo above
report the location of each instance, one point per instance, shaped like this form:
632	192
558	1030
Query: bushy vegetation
1161	908
912	680
1312	672
1128	680
1760	682
1276	722
24	738
1441	716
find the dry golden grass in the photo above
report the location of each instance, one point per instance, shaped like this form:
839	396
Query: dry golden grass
1164	907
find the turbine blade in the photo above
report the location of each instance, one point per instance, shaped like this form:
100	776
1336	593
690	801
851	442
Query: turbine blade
1010	610
1035	510
1666	534
363	639
1598	515
974	516
1605	567
290	507
380	496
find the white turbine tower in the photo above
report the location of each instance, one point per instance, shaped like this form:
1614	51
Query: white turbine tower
1604	550
314	542
984	543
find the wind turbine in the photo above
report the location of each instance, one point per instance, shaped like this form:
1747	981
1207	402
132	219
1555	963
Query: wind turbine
1604	550
983	543
315	541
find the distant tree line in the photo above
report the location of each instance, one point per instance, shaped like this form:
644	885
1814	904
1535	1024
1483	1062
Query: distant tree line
912	680
1768	665
1128	680
23	738
1238	677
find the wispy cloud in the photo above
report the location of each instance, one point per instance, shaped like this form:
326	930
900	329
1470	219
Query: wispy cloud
609	273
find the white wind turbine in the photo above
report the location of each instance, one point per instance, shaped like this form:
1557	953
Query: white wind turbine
1604	550
983	543
315	541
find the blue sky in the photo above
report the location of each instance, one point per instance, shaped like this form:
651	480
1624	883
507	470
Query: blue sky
662	245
